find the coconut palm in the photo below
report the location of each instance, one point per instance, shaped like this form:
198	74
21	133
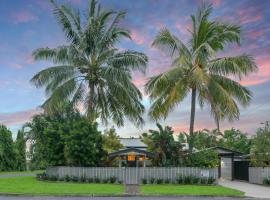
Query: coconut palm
197	69
90	70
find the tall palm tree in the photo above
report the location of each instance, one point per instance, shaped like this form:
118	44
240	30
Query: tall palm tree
90	69
196	69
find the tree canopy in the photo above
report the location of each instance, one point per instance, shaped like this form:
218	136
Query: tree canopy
196	69
90	70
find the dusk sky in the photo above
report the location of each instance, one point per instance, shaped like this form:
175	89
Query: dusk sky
30	24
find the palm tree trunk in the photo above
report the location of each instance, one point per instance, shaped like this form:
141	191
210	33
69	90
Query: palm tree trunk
90	110
192	117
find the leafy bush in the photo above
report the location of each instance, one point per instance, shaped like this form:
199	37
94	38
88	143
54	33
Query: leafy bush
42	176
195	179
52	178
90	180
211	180
74	179
82	179
112	179
203	180
144	181
266	181
159	181
187	180
180	180
105	180
152	180
167	181
61	179
96	180
67	178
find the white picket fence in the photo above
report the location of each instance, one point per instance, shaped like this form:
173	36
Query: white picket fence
132	175
258	174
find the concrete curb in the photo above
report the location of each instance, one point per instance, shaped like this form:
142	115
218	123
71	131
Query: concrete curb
120	195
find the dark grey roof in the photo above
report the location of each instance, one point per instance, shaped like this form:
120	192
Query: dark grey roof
129	150
223	151
133	142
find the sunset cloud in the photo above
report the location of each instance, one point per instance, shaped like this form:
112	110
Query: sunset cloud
10	119
137	37
249	15
23	16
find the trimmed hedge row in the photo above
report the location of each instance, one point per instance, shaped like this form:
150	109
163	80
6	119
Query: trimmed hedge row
194	180
75	179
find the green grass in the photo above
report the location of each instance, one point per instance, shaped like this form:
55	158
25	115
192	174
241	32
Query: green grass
31	186
189	190
24	172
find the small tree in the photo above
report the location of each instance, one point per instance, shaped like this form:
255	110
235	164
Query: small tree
207	158
260	151
111	141
83	144
7	153
20	151
162	142
235	140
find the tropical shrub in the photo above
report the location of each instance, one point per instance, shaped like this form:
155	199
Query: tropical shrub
159	181
113	179
65	138
260	151
144	181
266	181
152	180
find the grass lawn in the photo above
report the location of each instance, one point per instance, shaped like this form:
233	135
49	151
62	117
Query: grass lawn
24	172
189	190
29	185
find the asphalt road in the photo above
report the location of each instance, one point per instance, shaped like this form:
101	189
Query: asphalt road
121	198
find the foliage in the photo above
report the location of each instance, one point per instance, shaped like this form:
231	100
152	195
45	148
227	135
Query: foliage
235	140
266	181
111	141
204	158
161	141
65	138
89	70
20	148
200	139
196	69
260	151
7	152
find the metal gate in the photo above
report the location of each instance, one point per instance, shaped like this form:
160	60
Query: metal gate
241	170
131	176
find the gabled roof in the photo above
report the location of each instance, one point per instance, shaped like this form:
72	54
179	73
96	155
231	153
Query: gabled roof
223	151
132	143
130	150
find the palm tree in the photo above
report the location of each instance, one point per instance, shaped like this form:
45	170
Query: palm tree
196	69
90	70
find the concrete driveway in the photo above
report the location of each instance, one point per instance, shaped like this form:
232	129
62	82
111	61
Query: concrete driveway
251	190
120	198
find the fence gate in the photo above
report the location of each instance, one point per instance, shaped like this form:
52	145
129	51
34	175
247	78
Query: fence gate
131	176
241	170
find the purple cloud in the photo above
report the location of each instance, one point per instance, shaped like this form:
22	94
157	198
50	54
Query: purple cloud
23	16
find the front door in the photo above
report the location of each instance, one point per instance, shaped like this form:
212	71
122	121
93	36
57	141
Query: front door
241	170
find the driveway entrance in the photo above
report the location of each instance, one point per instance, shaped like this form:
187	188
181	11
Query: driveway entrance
251	190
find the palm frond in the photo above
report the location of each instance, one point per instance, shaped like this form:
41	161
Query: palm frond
237	66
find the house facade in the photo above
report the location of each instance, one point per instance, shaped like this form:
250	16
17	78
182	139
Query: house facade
134	153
